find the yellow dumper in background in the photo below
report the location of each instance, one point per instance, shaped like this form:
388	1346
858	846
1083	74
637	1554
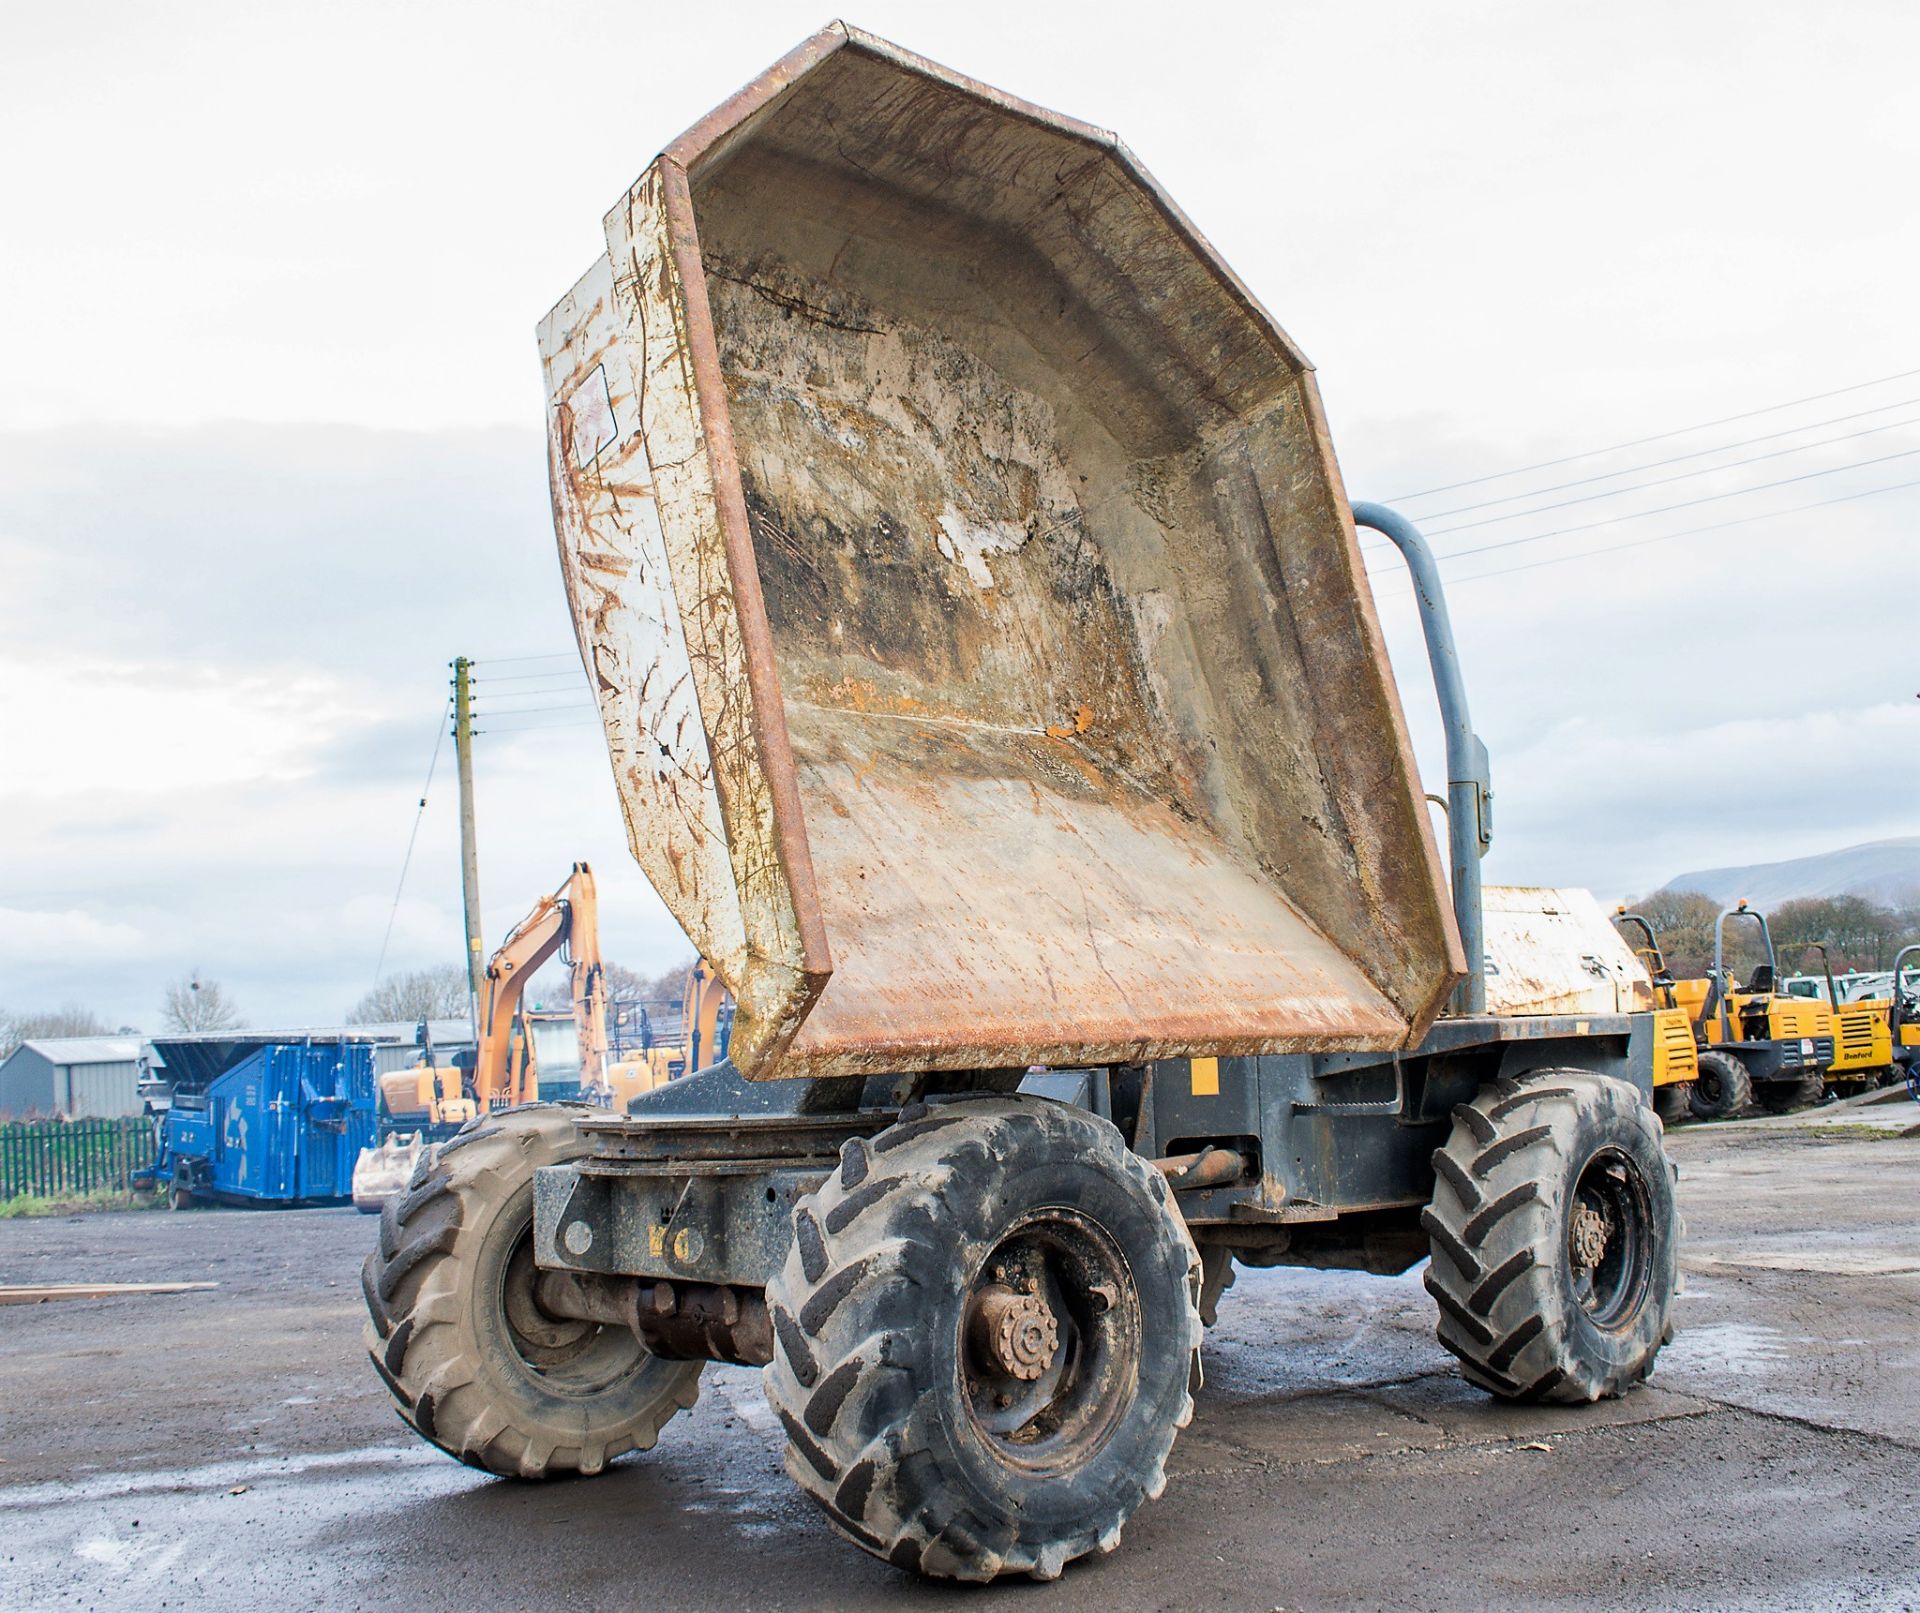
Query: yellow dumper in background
1755	1042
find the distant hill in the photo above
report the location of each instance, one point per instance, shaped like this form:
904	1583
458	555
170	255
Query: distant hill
1886	871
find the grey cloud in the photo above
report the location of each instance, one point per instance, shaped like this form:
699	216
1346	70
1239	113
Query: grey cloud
259	547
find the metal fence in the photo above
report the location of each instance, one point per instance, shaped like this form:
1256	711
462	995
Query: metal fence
64	1158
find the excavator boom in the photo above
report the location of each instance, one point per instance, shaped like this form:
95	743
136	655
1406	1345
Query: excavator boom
569	915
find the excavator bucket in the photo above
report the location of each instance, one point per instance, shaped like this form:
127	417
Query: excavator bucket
961	566
383	1172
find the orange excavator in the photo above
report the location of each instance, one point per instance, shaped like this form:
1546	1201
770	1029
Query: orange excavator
422	1106
707	1020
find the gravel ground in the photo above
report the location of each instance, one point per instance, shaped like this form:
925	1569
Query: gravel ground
203	1449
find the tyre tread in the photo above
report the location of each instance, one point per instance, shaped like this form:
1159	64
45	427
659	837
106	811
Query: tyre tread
1493	1227
848	1407
421	1357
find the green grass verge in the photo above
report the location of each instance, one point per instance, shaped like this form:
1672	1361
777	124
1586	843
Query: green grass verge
23	1205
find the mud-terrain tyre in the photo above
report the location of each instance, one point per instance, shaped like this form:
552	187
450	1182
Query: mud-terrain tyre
471	1361
987	1338
1555	1238
1722	1088
1782	1097
1673	1102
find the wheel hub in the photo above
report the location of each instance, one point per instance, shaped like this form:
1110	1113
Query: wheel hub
1609	1240
1591	1232
1015	1332
1049	1341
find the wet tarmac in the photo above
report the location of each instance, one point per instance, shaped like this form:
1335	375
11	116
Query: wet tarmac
229	1449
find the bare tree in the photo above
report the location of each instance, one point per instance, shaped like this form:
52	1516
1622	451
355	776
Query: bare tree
629	985
439	992
1857	932
194	1004
68	1020
1683	921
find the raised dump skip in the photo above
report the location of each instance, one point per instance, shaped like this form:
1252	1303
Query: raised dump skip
959	556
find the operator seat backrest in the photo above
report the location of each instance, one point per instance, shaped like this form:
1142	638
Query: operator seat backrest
1762	978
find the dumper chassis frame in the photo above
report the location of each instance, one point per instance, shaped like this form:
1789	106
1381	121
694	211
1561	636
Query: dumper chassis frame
1313	1160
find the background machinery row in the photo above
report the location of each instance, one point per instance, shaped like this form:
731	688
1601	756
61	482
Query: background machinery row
1762	1043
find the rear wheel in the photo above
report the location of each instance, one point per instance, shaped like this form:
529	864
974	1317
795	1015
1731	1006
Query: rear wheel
1555	1238
987	1336
455	1332
1780	1097
1673	1102
1722	1088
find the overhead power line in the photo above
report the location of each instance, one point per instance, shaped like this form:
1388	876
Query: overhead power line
538	728
496	709
523	660
1668	481
1663	537
539	680
439	735
1667	509
1696	453
1659	436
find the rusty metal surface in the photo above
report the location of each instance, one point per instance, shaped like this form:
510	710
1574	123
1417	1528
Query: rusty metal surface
1552	951
959	556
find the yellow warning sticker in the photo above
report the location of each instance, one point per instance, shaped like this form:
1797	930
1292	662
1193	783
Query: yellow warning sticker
1206	1078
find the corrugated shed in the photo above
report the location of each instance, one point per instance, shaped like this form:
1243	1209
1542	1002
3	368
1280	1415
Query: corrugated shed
86	1049
72	1075
100	1091
26	1083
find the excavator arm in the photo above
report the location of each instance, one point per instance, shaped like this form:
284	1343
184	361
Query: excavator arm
569	915
589	979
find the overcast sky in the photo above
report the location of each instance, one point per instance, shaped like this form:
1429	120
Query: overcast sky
270	418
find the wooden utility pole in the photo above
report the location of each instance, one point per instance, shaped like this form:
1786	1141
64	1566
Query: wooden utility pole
469	850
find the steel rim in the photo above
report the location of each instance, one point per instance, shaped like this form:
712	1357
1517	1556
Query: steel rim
1049	1342
1610	1239
567	1355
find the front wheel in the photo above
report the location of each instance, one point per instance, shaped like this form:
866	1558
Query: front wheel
988	1332
1721	1088
458	1336
1555	1238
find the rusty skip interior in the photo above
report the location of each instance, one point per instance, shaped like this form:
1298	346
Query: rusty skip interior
1092	732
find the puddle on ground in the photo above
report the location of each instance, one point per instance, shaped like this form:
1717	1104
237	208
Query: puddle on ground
223	1475
1835	1262
1725	1347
